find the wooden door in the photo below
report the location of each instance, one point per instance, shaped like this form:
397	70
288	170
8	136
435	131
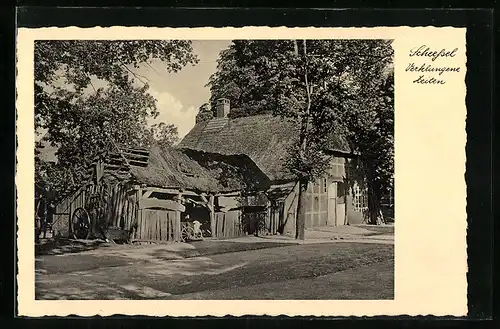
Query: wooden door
340	208
332	204
340	217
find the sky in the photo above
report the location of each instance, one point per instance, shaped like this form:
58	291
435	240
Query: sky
179	95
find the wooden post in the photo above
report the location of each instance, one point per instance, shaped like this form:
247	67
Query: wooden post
346	190
138	217
169	228
212	215
70	219
301	211
177	226
269	221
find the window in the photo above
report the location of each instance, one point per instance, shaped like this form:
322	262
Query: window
337	167
325	185
359	198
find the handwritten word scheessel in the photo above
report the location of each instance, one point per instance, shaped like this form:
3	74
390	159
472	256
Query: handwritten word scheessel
424	51
426	69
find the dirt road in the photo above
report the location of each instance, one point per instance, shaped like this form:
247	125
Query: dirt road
220	270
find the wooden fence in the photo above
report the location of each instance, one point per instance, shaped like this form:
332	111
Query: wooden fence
157	225
228	224
108	205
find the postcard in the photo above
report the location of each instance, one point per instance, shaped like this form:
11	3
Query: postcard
241	171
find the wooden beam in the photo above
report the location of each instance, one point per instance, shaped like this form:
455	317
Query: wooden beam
138	163
136	155
173	191
162	204
190	193
137	160
212	215
162	190
231	202
147	194
229	194
189	199
270	216
113	166
224	209
141	151
177	226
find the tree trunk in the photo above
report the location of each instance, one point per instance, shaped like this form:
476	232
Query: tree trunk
374	208
346	193
301	213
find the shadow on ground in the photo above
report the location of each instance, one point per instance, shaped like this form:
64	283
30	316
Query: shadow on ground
208	248
288	272
377	229
61	246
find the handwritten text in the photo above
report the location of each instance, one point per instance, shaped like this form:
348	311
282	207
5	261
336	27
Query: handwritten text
430	73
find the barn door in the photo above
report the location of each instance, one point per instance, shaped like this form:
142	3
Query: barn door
332	204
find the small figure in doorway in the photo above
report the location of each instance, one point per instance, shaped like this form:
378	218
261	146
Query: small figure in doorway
197	230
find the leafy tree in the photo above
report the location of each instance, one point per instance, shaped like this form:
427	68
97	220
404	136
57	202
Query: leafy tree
325	85
164	134
204	113
81	119
248	75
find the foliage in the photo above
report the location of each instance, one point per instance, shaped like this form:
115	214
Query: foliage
325	85
82	120
204	113
164	134
371	122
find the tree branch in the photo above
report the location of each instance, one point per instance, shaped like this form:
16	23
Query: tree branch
93	86
137	76
152	68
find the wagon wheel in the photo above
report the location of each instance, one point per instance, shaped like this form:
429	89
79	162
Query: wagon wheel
96	205
187	233
81	224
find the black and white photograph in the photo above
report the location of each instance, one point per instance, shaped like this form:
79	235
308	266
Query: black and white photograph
242	171
214	169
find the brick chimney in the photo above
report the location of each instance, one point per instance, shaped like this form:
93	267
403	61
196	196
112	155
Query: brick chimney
223	107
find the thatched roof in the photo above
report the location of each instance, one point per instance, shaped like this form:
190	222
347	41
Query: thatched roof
198	171
265	139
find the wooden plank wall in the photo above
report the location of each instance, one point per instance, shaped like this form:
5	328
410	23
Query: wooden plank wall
120	210
124	206
290	209
157	225
275	217
252	221
120	207
317	203
61	222
228	224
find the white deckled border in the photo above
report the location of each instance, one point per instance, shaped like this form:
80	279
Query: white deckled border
430	247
